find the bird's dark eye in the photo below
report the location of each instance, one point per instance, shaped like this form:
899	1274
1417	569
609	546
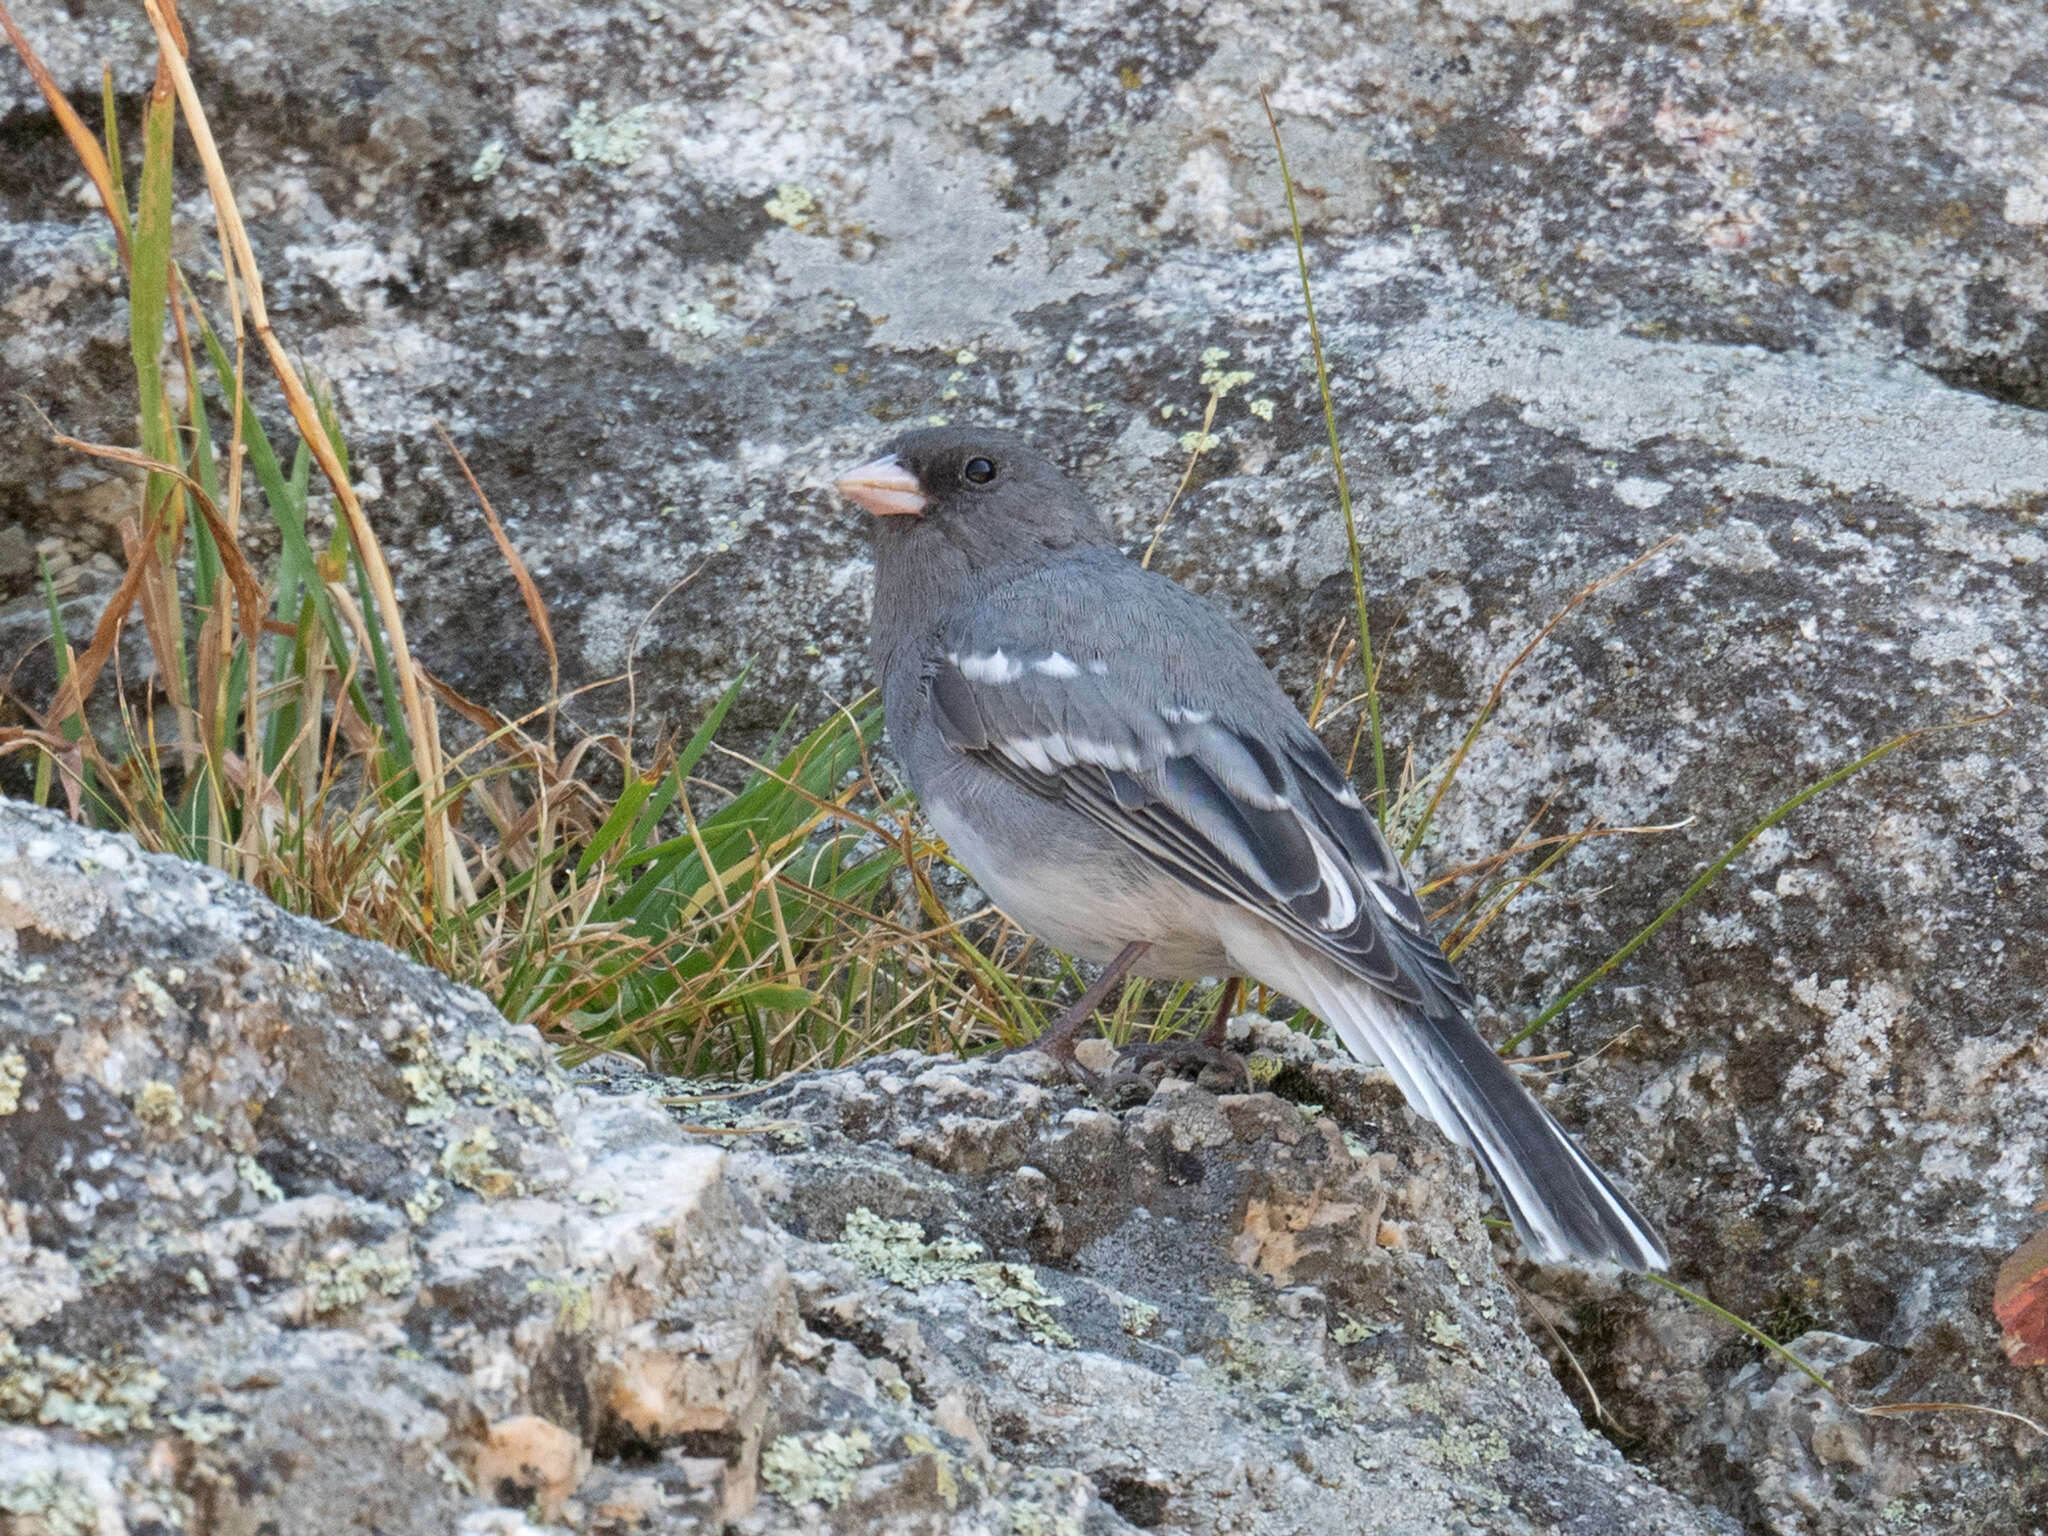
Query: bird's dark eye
978	471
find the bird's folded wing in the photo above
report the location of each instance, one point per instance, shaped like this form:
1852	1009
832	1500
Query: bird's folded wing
1263	819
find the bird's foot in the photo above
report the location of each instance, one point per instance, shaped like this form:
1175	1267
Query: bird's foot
1193	1056
1113	1088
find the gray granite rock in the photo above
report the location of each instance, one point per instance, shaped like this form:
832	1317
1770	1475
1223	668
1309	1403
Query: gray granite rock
1770	279
295	1235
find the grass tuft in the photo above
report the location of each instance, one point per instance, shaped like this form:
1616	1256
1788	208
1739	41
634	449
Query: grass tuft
288	734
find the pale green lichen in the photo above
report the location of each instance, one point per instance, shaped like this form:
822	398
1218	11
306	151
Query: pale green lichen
334	1284
490	1068
1261	1352
1220	381
158	1106
102	1262
1261	408
1468	1446
1443	1332
1354	1330
58	1505
424	1201
467	1161
93	1398
257	1179
489	160
152	991
616	140
13	1073
203	1426
792	205
1198	442
1138	1318
572	1299
898	1252
815	1469
488	1072
431	1100
1030	1517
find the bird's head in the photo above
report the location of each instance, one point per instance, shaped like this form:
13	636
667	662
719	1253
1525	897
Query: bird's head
987	494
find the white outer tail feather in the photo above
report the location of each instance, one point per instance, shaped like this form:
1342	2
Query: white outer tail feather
1376	1029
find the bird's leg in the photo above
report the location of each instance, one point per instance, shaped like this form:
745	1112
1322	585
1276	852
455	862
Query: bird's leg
1057	1039
1217	1035
1211	1049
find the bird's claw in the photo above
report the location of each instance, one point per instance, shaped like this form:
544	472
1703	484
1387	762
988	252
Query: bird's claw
1171	1053
1110	1088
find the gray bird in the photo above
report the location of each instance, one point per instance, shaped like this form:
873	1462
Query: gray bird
1112	762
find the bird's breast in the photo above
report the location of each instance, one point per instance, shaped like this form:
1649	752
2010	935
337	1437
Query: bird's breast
1066	881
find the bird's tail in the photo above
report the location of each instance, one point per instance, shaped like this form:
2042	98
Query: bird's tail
1565	1208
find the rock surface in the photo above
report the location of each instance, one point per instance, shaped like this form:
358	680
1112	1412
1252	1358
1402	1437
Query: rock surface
1768	278
297	1236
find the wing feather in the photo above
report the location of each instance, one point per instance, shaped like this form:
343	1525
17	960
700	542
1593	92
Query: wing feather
1270	825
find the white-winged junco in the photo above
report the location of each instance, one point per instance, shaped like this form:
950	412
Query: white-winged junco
1113	763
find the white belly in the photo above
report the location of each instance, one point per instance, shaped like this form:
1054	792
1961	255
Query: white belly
1079	897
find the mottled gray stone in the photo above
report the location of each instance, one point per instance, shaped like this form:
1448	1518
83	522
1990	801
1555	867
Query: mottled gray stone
1771	279
295	1234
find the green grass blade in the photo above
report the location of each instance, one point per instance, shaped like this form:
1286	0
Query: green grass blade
149	280
110	118
623	815
1707	876
695	748
657	805
286	499
330	423
1733	1321
207	569
1315	339
60	650
71	728
398	740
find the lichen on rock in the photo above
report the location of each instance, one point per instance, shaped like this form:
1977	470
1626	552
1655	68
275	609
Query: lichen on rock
991	1307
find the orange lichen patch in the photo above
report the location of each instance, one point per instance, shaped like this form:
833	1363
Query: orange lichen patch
658	1395
1281	1231
529	1460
